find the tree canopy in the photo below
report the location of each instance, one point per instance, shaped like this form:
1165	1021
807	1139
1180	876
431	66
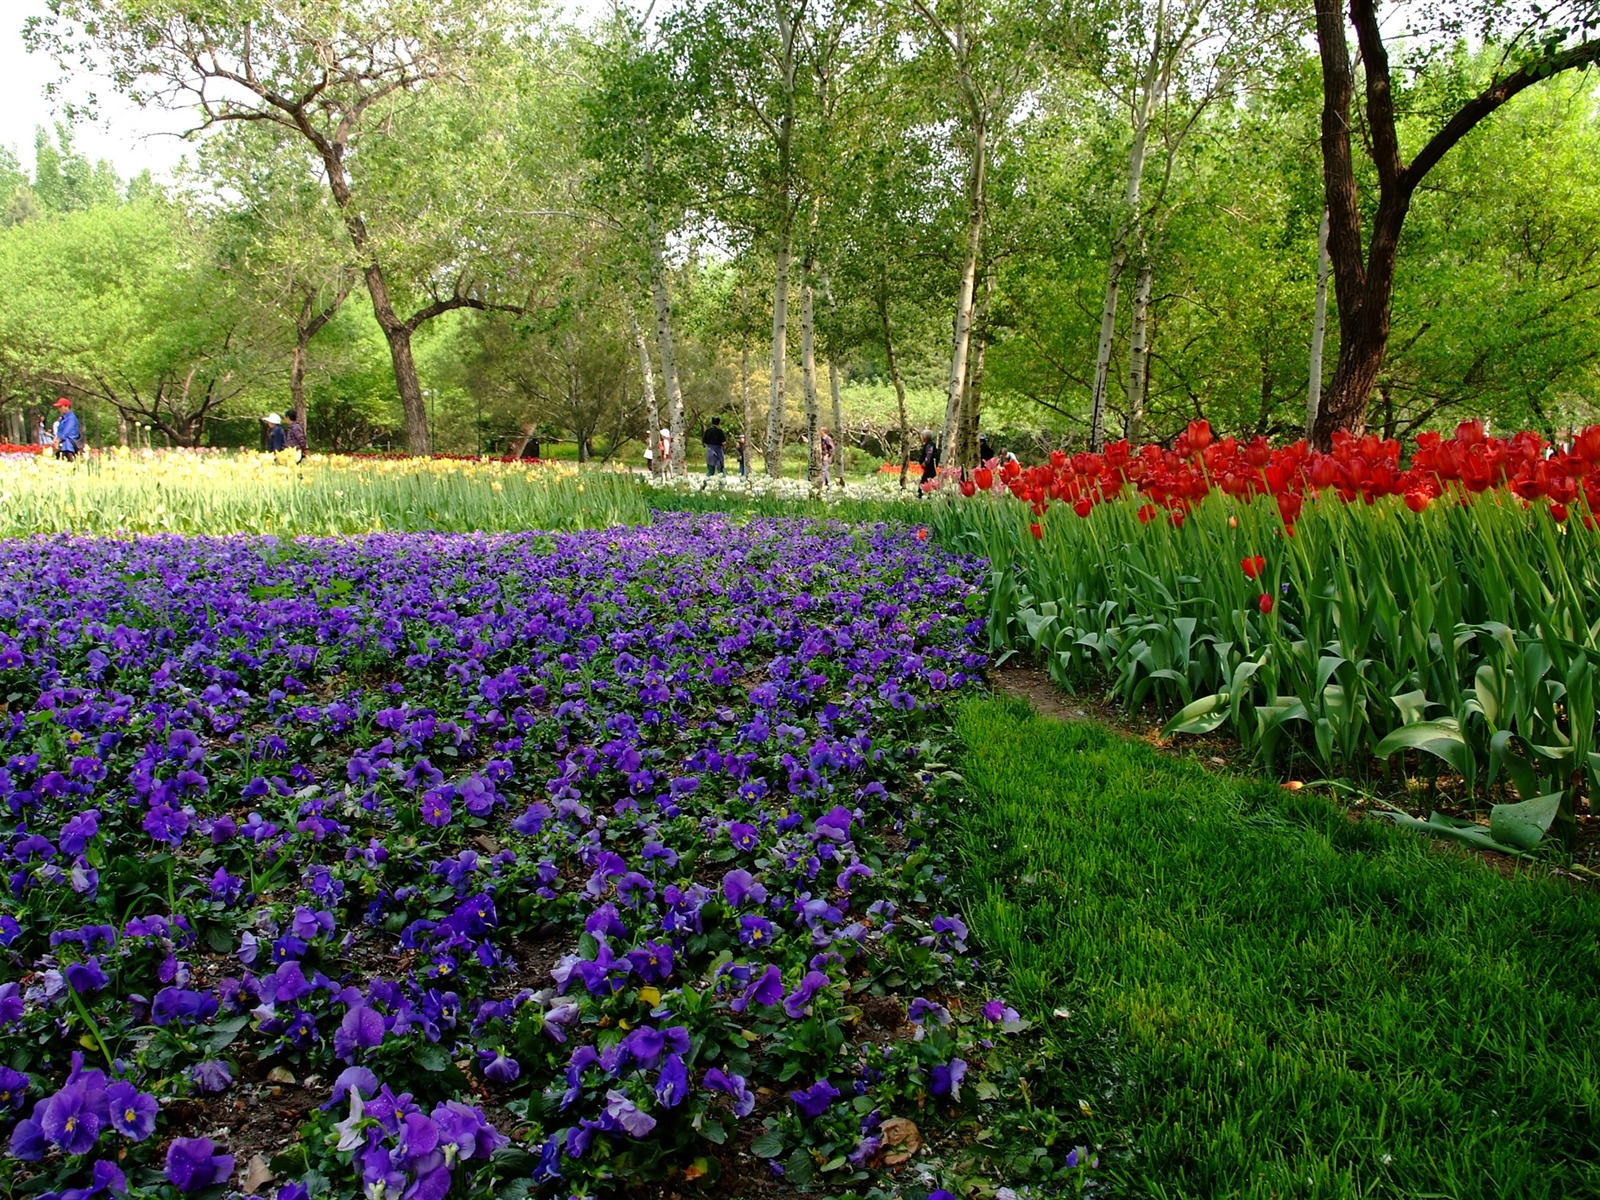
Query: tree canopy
465	225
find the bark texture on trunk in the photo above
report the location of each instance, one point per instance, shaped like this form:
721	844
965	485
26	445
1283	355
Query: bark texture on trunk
833	386
744	377
309	322
647	389
773	450
1319	330
894	376
1138	358
967	297
664	346
783	141
1363	283
808	378
396	332
1143	107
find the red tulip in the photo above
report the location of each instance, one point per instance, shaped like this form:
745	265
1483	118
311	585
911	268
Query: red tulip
1416	501
1083	506
1037	530
1253	566
984	478
1146	512
967	487
1265	603
1558	511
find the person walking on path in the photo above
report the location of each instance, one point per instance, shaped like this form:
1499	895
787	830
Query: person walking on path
828	449
715	440
277	439
69	434
665	452
295	437
929	459
743	449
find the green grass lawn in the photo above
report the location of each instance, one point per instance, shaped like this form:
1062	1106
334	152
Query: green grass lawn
1268	999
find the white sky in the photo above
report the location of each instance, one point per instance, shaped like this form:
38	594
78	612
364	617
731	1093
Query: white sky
132	138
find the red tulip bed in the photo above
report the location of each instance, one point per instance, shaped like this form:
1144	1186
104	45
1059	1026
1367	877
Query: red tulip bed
1343	607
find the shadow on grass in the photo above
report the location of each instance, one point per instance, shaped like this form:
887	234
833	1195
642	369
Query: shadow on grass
1300	1005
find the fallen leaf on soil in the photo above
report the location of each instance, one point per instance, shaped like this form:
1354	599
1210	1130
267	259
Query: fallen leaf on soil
280	1075
256	1175
901	1139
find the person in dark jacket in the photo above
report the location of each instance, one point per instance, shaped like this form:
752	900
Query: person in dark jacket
715	440
276	438
294	436
929	458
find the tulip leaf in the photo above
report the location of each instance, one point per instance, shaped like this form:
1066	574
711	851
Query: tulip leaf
1413	706
1441	738
1204	715
1522	825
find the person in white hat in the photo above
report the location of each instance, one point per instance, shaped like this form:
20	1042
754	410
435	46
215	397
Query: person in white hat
276	439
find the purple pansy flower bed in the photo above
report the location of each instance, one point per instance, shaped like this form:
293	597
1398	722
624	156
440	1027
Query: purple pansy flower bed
556	860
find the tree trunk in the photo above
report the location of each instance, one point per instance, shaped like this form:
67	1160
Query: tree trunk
419	438
1138	353
1119	247
894	376
744	379
396	333
975	391
647	381
669	359
773	449
1363	289
808	379
967	297
833	383
972	392
122	429
308	324
1319	329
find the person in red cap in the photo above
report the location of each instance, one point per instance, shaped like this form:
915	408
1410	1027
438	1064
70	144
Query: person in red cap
69	434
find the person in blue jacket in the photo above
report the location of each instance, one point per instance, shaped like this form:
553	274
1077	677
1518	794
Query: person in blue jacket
69	434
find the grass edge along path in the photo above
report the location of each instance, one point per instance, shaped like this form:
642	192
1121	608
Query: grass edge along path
1267	999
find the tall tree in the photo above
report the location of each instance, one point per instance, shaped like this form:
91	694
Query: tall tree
634	136
992	54
335	75
1536	44
741	62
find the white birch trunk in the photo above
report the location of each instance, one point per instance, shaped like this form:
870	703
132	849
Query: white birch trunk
1319	330
669	359
744	392
1144	105
1138	345
894	376
744	372
967	298
780	359
833	387
808	379
647	389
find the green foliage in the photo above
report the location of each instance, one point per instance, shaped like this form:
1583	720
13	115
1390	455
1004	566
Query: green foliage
1253	996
